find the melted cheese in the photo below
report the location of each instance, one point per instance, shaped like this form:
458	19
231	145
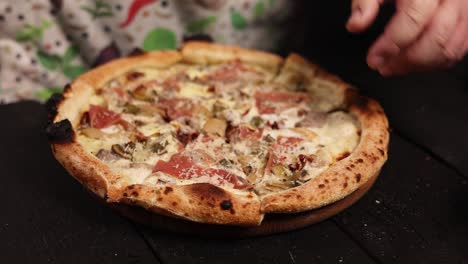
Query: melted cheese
234	102
191	90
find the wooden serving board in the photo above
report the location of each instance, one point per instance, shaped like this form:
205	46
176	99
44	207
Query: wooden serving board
272	224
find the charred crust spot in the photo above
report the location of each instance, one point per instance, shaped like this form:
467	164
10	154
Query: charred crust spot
361	101
326	181
343	155
381	152
60	132
131	187
160	199
359	132
168	190
348	168
135	193
345	185
66	88
358	177
208	190
298	196
250	196
321	186
287	196
136	52
352	165
359	160
52	105
186	215
174	204
380	141
226	205
232	211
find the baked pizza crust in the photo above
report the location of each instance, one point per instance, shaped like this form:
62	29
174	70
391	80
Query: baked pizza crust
206	203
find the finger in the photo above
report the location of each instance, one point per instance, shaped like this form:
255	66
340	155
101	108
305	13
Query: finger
363	13
431	48
455	48
405	27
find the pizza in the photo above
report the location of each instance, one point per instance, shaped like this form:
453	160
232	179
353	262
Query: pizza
217	134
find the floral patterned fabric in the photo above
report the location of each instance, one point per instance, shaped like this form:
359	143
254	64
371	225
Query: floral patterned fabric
45	44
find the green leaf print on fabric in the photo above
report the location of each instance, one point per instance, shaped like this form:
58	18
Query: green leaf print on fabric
100	9
259	9
238	21
31	33
70	54
50	62
200	25
73	72
55	62
160	39
47	93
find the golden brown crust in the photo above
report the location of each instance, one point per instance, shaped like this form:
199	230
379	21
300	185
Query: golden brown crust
327	90
199	202
346	175
196	202
101	75
208	53
207	203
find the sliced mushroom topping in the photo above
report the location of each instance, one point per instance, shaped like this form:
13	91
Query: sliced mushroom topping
218	107
281	172
131	109
151	110
119	150
215	126
142	93
256	121
226	163
106	155
159	147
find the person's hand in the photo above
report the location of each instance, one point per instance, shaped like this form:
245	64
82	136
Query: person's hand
422	35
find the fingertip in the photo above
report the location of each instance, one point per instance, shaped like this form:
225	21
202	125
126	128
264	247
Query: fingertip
363	14
355	22
375	61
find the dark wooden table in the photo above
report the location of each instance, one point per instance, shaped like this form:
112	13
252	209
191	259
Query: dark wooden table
416	213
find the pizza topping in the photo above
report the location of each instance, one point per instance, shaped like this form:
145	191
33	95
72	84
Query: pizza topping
215	126
100	117
159	148
183	167
131	109
224	124
256	121
92	132
143	92
132	76
277	101
176	107
186	137
121	151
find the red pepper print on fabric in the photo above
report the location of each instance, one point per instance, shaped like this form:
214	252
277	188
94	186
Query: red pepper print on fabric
133	10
